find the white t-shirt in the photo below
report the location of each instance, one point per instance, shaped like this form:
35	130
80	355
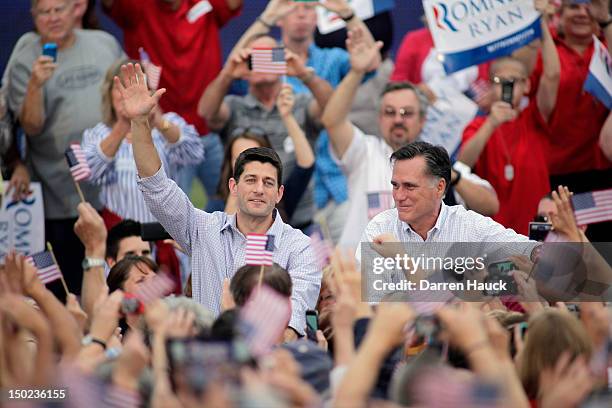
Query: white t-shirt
368	170
366	164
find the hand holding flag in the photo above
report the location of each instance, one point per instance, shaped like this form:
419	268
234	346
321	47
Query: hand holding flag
79	168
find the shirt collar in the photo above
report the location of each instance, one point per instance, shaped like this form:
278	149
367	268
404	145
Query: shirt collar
437	226
275	229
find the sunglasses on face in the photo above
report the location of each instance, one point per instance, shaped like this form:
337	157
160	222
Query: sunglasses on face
390	112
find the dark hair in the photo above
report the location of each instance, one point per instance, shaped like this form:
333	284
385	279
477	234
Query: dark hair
436	158
403	85
125	229
259	154
226	167
120	272
246	278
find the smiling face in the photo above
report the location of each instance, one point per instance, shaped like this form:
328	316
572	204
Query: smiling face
399	120
576	20
417	194
257	191
54	20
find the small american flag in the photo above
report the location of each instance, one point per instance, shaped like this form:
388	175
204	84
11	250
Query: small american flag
593	207
321	247
157	287
263	319
77	162
152	71
259	249
378	202
479	89
269	61
48	271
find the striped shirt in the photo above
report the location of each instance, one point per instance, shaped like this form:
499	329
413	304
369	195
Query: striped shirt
117	176
217	248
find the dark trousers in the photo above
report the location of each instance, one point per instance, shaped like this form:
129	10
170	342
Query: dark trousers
69	253
589	181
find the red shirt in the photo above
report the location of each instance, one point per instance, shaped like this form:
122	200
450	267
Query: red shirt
576	122
185	43
411	55
522	140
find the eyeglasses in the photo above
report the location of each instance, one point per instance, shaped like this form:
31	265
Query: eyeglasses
390	112
52	11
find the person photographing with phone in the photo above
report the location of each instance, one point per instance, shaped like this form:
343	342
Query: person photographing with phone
55	102
507	147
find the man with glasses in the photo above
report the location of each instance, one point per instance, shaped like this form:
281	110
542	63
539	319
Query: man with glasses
56	100
365	158
507	146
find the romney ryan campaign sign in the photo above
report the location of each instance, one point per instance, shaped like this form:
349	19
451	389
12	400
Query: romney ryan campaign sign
470	32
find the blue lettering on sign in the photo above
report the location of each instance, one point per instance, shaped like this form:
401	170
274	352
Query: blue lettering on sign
451	16
26	201
23	219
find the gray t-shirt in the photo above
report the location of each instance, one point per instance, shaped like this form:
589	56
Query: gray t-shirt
247	112
72	103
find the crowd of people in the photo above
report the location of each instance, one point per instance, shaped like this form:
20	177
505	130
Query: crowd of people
327	162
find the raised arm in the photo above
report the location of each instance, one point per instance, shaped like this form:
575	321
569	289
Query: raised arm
304	156
138	104
477	196
546	96
501	112
90	229
163	197
600	9
32	114
335	116
344	10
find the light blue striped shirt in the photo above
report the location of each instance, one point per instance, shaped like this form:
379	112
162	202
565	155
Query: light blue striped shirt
217	247
117	175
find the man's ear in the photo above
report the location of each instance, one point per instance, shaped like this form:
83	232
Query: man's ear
281	190
110	262
233	186
441	187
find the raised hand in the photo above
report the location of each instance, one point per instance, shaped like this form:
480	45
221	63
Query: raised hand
600	10
364	57
135	95
285	101
236	64
91	230
295	65
564	221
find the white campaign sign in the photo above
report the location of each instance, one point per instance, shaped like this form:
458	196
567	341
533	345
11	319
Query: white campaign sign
470	32
446	119
329	22
22	223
